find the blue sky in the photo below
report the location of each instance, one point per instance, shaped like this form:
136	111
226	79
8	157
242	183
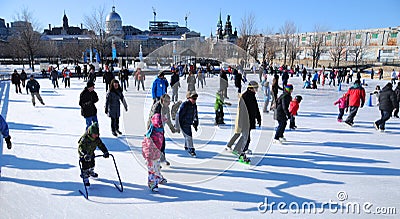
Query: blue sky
333	15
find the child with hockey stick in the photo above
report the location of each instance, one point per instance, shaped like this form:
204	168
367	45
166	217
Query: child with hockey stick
151	151
87	145
293	108
342	106
219	108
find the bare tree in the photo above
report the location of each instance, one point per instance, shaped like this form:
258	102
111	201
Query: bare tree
96	24
316	44
294	49
338	50
357	51
287	31
27	35
247	34
266	44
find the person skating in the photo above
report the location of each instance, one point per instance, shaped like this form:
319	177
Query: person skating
159	87
108	77
282	113
293	109
266	92
397	92
245	121
87	144
113	105
219	109
387	103
191	82
34	87
87	100
223	83
274	91
175	84
23	77
5	132
238	81
16	80
140	77
162	106
67	77
342	107
54	77
151	151
188	116
356	99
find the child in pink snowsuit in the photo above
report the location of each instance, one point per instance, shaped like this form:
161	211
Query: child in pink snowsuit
151	151
342	106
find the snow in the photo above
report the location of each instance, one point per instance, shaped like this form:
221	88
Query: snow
40	174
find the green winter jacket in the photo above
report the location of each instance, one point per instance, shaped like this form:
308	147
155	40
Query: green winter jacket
87	145
218	102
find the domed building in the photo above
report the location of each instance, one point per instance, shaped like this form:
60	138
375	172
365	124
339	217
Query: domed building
114	25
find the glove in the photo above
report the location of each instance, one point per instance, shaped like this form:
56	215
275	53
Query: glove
126	109
195	127
106	155
8	141
87	157
106	111
259	123
362	104
347	109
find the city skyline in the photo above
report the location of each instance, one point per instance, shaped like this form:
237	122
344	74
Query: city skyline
269	15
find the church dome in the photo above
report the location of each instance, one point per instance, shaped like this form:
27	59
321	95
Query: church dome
113	16
113	23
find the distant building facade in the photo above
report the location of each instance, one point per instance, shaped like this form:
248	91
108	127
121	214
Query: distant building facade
226	33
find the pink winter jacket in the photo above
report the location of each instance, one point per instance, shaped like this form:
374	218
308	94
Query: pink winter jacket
152	144
342	102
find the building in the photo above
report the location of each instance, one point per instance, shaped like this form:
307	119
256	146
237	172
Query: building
226	33
65	29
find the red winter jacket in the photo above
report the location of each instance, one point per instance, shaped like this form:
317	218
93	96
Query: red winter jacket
293	107
356	96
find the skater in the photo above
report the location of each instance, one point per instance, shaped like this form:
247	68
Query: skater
87	144
219	109
23	77
388	102
238	82
188	116
159	87
394	77
67	77
113	105
293	108
5	132
372	74
376	93
175	84
54	77
380	73
16	79
282	113
108	77
397	92
274	91
314	80
223	83
342	107
191	82
122	77
87	99
266	92
78	71
151	151
246	117
140	78
200	78
162	107
34	87
356	99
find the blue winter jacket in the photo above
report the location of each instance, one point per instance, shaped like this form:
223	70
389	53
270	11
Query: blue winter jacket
4	127
159	87
188	116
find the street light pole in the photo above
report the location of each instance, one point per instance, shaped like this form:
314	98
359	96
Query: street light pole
126	55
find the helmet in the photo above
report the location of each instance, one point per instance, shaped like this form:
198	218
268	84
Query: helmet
93	129
289	87
253	84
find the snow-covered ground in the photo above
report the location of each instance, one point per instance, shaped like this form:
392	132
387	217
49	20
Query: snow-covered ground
324	164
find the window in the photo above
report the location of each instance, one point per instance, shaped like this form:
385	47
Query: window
358	36
303	38
329	37
374	36
393	35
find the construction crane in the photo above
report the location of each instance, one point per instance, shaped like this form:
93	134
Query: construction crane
186	17
154	13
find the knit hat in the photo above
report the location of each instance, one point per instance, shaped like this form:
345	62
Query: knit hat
89	84
289	87
253	84
93	129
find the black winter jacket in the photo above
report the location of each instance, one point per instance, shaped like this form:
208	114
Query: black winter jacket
87	100
250	100
387	99
282	108
33	86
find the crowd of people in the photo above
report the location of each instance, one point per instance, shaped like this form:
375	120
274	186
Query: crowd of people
277	96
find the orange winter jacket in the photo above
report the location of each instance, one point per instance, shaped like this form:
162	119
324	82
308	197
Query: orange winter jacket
293	107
